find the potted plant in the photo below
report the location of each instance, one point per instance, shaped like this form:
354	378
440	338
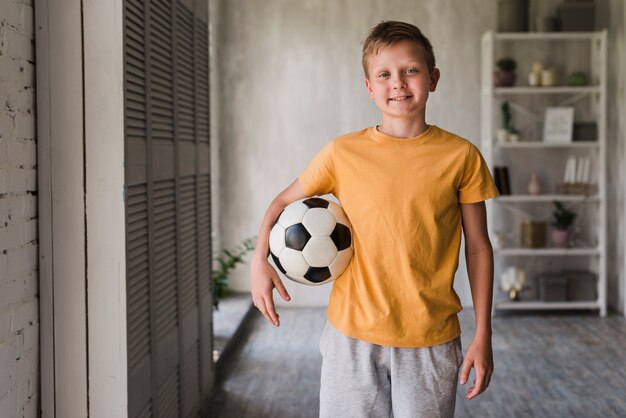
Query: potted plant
563	219
225	264
504	75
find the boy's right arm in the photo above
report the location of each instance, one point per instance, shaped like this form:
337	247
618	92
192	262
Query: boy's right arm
263	277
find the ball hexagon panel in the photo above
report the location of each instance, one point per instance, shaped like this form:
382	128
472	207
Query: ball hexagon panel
341	237
296	237
293	261
317	274
292	214
319	251
319	222
316	202
277	239
277	262
300	279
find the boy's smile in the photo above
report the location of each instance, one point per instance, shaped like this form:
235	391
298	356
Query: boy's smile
399	82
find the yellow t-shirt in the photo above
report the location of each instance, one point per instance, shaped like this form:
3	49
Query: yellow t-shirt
402	197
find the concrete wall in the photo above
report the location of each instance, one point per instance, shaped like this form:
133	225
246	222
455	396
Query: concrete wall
19	323
289	79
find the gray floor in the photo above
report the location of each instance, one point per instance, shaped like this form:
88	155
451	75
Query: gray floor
557	365
226	319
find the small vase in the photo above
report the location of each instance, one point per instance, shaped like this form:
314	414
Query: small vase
504	78
560	237
534	187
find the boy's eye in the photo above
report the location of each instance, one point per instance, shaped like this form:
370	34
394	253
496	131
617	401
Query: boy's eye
411	70
383	74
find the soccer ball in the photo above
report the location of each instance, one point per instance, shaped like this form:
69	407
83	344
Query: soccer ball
311	241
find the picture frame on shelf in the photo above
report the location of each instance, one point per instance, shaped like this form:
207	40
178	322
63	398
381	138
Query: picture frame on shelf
558	125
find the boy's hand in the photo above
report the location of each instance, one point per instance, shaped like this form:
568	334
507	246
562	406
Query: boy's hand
264	279
479	355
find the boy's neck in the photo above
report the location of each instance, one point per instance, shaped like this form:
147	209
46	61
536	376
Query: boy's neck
402	128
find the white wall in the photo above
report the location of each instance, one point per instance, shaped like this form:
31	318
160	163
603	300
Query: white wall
289	79
19	322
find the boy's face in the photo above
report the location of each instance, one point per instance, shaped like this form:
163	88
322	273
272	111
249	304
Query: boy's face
399	81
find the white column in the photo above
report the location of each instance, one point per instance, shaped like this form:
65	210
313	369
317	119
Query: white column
105	207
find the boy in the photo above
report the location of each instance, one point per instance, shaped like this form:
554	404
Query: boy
391	343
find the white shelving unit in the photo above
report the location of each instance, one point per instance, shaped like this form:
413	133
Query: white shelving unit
531	153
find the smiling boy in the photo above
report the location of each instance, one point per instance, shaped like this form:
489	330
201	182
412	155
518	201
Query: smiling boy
391	343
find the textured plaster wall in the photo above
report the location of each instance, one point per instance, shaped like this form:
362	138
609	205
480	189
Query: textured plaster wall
288	78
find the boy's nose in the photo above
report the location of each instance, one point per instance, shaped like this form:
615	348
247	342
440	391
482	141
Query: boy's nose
399	82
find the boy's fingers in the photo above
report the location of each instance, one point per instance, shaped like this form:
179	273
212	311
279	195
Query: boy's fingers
488	380
261	307
281	289
479	385
269	304
465	371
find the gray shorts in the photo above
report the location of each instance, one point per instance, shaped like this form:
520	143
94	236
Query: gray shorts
360	379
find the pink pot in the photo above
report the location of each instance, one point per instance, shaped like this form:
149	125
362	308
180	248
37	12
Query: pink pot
502	78
561	237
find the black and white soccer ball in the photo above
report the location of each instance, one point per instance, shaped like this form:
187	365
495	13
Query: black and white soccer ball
311	241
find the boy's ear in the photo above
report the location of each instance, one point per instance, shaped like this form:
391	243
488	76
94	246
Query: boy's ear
369	88
434	79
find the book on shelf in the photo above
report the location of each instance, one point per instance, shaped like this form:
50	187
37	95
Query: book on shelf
501	178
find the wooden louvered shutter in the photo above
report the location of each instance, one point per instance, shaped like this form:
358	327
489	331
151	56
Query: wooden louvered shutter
168	207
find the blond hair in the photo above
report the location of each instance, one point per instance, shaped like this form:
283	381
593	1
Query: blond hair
387	33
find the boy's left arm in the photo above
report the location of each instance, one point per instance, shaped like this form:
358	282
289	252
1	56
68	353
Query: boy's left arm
479	261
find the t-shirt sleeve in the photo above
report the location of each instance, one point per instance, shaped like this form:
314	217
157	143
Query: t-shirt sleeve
319	176
476	183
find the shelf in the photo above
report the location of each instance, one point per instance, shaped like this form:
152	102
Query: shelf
538	144
547	90
538	304
545	36
547	251
548	198
532	154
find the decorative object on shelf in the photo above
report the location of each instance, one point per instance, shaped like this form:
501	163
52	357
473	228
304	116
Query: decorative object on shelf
552	287
581	285
558	125
540	76
513	135
534	77
548	77
585	131
533	234
501	178
569	285
563	218
227	261
506	133
577	15
578	79
499	239
504	75
513	15
512	281
505	110
577	177
534	187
